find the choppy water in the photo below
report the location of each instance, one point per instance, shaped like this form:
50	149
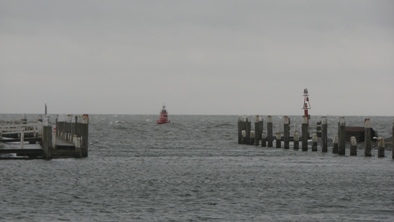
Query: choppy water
193	170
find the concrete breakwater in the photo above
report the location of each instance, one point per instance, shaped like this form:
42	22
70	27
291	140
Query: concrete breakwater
313	137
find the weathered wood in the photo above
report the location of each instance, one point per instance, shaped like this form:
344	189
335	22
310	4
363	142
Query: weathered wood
380	147
305	133
248	128
341	136
286	131
335	144
324	138
392	144
243	136
257	131
240	125
314	142
85	135
367	138
269	131
353	146
296	141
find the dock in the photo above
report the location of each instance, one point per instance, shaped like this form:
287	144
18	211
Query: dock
67	137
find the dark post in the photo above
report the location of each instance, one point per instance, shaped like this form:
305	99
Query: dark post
342	136
263	139
269	131
240	124
248	129
367	138
243	137
85	134
392	142
47	137
286	131
257	131
380	147
353	146
278	140
296	141
305	133
335	144
324	134
261	127
314	142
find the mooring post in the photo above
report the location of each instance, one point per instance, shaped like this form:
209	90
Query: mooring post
252	137
392	144
314	142
353	146
296	140
335	144
22	137
381	147
324	134
286	131
367	137
47	137
257	131
305	133
269	131
248	129
261	127
85	135
263	139
278	140
342	136
240	123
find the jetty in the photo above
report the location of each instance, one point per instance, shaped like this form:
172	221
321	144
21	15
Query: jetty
67	137
313	137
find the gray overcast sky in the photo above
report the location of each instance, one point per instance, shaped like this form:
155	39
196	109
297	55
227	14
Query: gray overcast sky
197	57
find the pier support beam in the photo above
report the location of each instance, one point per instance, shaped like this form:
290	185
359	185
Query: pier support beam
324	134
286	131
305	133
335	144
381	147
85	135
269	131
367	138
278	140
47	137
263	139
342	136
314	142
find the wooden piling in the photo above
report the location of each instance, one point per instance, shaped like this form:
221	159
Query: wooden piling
296	141
47	138
252	137
324	134
85	135
305	133
240	124
353	146
367	137
314	142
380	147
335	144
263	139
278	140
392	144
269	131
258	130
286	132
248	129
341	136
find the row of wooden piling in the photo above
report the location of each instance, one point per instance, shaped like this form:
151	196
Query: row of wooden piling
253	137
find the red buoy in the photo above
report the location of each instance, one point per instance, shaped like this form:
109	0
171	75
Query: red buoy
163	116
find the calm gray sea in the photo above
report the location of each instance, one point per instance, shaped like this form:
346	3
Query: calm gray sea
193	170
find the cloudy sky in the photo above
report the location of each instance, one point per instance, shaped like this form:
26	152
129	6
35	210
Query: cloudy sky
198	57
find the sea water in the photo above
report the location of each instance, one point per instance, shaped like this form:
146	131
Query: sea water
192	169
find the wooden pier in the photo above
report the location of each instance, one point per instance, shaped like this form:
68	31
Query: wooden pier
67	138
346	136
